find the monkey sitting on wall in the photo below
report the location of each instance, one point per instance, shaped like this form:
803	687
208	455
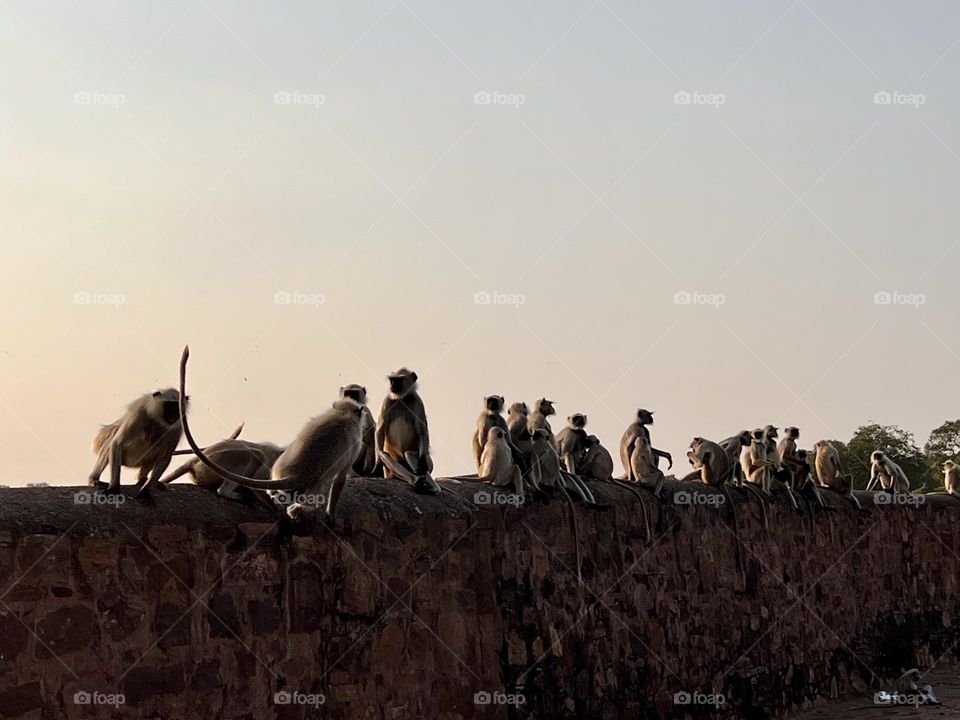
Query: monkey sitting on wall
146	438
367	459
891	476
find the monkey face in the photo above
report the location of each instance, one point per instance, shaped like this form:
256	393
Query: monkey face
645	417
355	392
877	456
577	420
758	435
771	432
545	407
591	440
494	403
402	381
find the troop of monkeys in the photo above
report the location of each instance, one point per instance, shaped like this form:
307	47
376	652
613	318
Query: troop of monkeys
520	452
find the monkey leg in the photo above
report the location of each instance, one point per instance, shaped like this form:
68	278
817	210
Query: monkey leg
116	455
147	483
103	459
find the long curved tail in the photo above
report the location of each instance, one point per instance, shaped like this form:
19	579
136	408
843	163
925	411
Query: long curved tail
281	484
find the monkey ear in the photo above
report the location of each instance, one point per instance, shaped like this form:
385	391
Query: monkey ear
158	395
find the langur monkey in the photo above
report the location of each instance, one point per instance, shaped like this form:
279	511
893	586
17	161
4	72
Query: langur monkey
537	420
242	457
801	480
491	418
402	437
830	471
571	442
597	462
643	465
637	429
367	459
316	463
496	463
733	446
146	438
891	476
545	471
778	471
517	424
951	478
757	469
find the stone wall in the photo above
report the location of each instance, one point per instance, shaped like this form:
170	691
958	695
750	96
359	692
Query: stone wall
410	606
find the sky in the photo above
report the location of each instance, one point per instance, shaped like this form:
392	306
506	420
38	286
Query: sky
731	213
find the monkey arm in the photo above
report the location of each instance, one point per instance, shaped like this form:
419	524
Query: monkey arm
874	475
666	455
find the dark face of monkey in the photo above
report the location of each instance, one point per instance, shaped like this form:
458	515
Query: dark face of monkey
545	407
171	412
645	417
591	441
793	433
578	421
877	456
356	393
771	432
758	435
494	403
802	455
402	382
169	401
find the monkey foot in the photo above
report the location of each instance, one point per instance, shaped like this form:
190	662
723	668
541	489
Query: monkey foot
426	485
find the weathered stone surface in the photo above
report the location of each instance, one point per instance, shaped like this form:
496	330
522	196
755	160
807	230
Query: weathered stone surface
409	605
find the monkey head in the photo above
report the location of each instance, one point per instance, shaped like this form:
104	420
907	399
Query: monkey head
402	382
349	406
759	434
770	432
164	405
645	417
544	407
792	432
878	456
801	455
540	435
697	442
577	421
494	403
591	441
519	408
949	465
496	435
354	392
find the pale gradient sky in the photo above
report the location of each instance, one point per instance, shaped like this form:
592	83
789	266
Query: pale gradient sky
198	198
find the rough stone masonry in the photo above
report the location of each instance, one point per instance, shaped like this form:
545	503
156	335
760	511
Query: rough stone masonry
435	607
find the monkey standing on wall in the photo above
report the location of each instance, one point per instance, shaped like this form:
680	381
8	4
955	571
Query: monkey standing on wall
891	476
145	438
402	435
733	446
636	429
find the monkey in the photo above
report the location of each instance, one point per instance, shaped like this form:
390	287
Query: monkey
496	463
753	460
490	418
715	472
517	423
545	467
402	436
628	441
571	442
145	438
891	476
537	420
242	457
830	471
367	459
597	462
778	473
951	478
317	460
733	447
643	465
801	481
